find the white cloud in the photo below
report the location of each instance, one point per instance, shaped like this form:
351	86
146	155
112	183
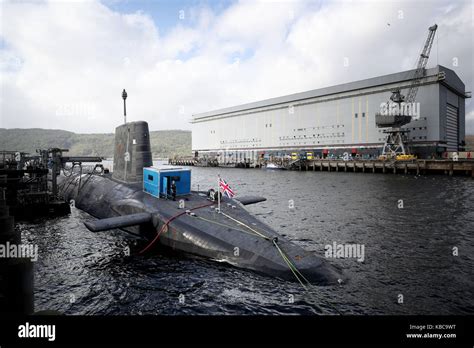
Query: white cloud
470	122
64	65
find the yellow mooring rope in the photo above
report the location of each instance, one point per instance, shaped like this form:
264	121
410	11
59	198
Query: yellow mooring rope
245	225
298	275
285	258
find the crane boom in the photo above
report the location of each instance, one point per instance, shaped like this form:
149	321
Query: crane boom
396	141
422	61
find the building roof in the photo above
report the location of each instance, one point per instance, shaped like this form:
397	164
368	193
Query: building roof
451	80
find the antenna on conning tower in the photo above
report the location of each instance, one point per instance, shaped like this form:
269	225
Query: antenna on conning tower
124	96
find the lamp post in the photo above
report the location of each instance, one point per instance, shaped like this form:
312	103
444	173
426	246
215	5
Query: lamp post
124	96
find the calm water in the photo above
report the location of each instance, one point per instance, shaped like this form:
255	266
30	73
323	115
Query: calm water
408	251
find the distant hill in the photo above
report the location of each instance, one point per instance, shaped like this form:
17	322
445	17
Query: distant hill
168	143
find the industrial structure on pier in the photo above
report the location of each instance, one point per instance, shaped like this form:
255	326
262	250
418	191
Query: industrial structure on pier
333	120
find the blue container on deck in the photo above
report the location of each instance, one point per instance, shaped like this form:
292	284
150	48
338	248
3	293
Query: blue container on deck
157	180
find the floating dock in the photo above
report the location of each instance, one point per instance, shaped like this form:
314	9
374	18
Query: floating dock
31	181
16	273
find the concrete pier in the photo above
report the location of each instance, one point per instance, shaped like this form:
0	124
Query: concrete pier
417	167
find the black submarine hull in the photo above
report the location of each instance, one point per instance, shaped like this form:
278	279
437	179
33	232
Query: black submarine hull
230	235
202	231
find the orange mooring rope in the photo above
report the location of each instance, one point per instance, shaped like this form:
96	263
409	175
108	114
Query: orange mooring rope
167	223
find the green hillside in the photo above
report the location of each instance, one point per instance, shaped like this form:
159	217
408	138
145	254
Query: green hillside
167	143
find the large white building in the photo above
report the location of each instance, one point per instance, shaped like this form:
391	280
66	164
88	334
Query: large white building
334	119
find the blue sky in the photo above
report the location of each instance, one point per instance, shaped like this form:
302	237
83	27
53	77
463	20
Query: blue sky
168	14
165	13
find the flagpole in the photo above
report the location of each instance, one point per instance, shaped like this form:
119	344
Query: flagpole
218	193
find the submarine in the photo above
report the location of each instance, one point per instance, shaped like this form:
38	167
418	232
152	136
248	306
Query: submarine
157	206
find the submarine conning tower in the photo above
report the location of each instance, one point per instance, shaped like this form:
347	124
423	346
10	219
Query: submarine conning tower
132	151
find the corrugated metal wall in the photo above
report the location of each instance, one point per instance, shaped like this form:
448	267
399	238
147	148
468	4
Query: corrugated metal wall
452	128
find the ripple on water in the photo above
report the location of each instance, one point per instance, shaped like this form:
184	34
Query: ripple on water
407	251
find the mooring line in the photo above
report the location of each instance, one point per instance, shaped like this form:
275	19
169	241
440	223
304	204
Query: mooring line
288	262
245	225
168	222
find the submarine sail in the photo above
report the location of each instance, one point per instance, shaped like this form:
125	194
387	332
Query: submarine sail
131	152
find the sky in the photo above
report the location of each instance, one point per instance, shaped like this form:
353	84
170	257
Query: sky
64	64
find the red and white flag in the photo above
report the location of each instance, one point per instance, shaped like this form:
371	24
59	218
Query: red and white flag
225	188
